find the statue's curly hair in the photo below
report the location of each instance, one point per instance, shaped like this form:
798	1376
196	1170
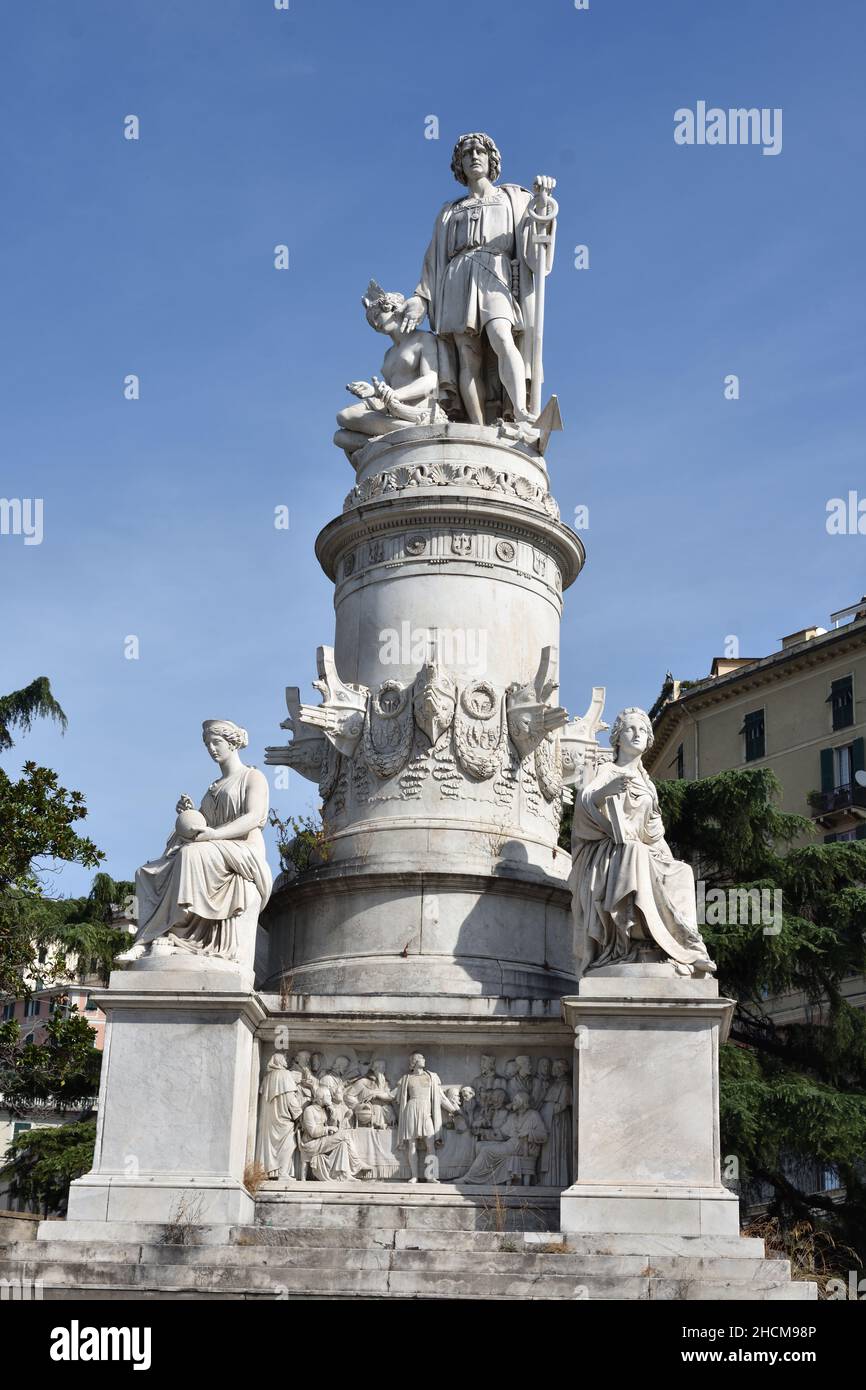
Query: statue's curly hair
232	733
488	144
620	722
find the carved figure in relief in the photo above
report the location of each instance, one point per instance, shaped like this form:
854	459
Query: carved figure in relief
540	1083
488	1078
514	1157
456	1144
631	898
420	1102
370	1098
281	1105
522	1078
555	1162
326	1147
492	1113
407	393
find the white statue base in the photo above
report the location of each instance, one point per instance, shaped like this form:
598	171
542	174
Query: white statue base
176	1108
647	1153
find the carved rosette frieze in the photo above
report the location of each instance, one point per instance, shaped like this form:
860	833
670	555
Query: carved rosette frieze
480	546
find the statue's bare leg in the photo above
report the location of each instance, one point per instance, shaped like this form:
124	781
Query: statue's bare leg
512	372
469	353
413	1159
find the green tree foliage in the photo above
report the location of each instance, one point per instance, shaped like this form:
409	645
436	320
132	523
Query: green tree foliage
41	1163
38	935
21	707
63	1068
796	1091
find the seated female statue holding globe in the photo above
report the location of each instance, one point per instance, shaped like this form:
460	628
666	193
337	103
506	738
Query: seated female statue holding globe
632	900
205	893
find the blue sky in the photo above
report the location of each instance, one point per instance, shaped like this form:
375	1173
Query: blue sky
306	127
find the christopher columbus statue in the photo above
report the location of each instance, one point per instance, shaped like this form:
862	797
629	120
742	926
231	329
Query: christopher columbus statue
482	284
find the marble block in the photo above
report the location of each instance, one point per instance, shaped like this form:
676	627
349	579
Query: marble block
176	1098
647	1151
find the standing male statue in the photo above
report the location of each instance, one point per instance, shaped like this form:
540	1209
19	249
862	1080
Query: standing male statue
482	283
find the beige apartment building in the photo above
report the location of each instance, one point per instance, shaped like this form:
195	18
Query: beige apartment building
800	711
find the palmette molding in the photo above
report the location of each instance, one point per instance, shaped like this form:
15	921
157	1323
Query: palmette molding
454	475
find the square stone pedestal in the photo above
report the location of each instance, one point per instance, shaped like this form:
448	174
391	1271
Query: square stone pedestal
646	1067
176	1098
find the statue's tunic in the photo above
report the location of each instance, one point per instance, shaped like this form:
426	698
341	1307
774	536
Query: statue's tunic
199	890
476	286
614	883
476	266
420	1101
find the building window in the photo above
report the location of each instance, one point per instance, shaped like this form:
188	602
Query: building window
843	765
91	1005
32	1008
681	763
753	731
841	702
8	1011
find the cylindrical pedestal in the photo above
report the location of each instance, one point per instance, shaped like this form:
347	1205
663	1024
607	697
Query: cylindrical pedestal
441	818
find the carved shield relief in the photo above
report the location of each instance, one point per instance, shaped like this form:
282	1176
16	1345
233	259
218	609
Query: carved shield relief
388	728
479	729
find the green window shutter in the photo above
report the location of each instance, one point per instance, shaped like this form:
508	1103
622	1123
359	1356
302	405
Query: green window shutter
858	755
828	778
860	832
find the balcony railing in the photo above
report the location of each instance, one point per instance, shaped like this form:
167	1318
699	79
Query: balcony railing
839	799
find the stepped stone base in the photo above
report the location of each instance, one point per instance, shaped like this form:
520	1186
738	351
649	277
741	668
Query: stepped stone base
393	1241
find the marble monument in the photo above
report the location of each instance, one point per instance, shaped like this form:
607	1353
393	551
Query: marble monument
443	1002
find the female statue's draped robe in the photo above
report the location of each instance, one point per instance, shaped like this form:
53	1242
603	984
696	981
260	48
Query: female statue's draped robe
206	893
613	884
